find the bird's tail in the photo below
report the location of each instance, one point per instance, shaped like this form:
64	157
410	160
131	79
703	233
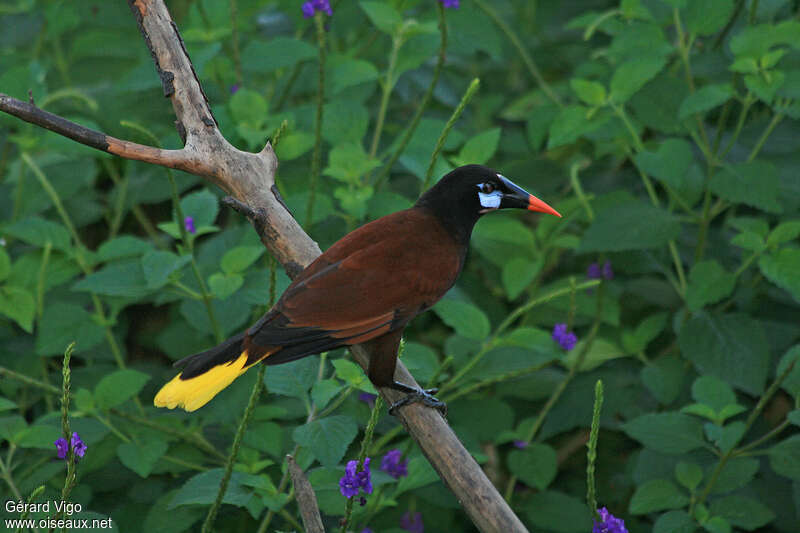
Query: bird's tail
205	374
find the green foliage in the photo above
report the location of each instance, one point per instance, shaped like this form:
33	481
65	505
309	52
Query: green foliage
665	131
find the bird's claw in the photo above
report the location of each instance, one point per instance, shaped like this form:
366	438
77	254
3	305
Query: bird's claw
424	396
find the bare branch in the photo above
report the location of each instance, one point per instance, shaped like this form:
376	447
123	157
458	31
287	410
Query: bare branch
249	179
306	499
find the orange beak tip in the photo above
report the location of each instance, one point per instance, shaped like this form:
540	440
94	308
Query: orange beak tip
534	204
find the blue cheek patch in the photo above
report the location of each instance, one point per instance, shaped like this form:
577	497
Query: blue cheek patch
490	200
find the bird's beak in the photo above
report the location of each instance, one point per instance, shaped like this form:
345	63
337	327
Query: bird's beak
521	199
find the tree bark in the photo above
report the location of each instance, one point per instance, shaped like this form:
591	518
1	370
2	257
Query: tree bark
250	178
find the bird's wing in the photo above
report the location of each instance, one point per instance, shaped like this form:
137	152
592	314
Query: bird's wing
372	281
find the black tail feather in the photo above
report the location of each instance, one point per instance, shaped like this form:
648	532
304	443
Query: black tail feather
202	362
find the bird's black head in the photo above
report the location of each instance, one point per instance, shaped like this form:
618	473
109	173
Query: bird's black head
468	192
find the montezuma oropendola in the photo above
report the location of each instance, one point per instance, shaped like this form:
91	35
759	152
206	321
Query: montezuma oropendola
363	289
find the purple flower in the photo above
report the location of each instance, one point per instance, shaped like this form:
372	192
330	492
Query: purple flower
366	530
595	271
78	446
352	481
566	339
188	223
521	444
609	524
393	465
234	88
368	398
412	523
312	6
61	448
450	3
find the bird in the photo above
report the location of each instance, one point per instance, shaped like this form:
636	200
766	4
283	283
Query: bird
365	288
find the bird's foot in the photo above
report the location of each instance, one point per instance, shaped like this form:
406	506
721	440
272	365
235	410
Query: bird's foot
424	396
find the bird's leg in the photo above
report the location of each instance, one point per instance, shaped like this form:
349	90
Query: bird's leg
425	396
382	363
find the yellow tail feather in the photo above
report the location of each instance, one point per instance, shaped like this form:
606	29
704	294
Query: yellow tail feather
193	393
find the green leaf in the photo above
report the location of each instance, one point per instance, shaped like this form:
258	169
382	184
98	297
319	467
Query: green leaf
518	273
18	304
673	164
590	92
348	163
263	57
742	512
248	107
157	266
705	99
732	347
555	511
124	279
6	404
713	392
725	437
664	378
202	206
765	85
784	457
117	387
674	522
632	75
142	457
706	17
63	323
327	438
749	241
755	184
383	16
293	145
468	320
202	489
5	265
324	391
344	120
669	432
784	232
571	123
354	199
480	148
38	232
793	417
122	247
224	285
600	351
238	259
536	465
708	284
781	269
292	379
657	495
792	382
736	473
349	372
38	436
345	72
647	330
688	474
717	524
630	226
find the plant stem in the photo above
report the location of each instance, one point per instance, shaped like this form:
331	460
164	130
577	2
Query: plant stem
556	394
471	90
237	60
362	454
526	57
237	441
591	454
388	85
764	136
423	104
316	158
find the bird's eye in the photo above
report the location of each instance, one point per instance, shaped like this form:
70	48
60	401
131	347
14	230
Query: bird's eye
487	188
